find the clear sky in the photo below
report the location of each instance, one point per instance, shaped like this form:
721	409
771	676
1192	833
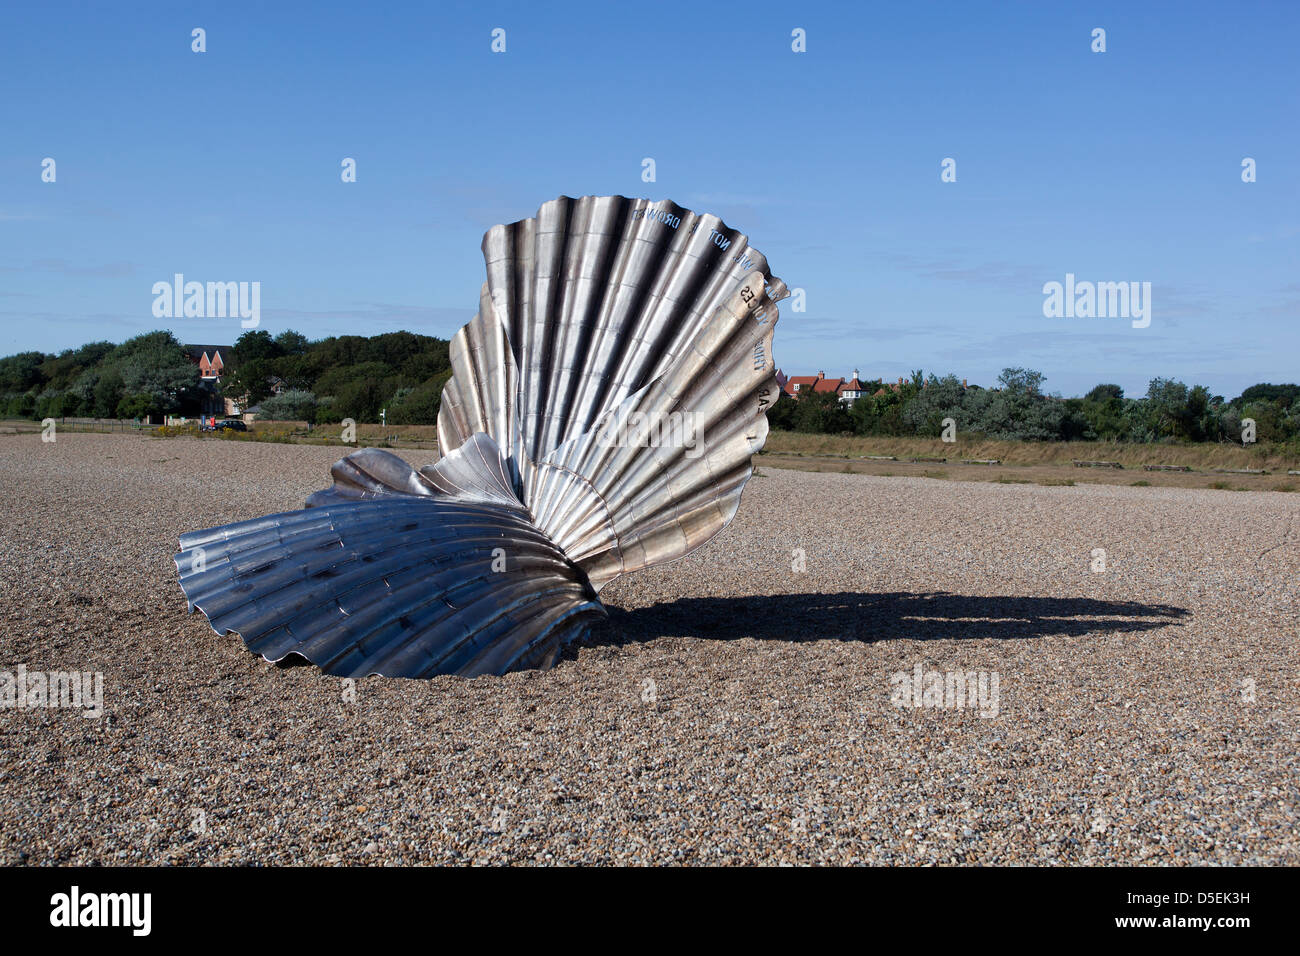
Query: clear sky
1115	166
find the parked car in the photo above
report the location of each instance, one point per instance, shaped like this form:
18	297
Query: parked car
230	424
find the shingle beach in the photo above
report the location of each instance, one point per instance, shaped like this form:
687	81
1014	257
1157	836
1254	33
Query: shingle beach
742	705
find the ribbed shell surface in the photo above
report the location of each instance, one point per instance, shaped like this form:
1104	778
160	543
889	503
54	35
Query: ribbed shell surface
603	410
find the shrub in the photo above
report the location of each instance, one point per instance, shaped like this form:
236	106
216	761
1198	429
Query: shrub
138	405
178	431
418	406
295	405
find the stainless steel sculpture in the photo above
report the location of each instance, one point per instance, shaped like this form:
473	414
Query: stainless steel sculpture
604	407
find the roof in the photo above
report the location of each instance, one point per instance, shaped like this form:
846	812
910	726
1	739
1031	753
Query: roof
197	352
800	380
820	383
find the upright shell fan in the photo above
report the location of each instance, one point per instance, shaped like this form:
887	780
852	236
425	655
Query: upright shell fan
603	410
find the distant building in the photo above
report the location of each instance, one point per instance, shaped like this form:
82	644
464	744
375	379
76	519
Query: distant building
796	384
852	390
211	360
847	390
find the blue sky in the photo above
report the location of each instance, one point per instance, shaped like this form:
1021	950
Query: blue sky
1115	166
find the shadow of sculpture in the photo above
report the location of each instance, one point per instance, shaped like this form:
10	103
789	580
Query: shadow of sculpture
861	616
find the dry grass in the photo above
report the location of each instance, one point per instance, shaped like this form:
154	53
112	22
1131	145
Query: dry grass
297	432
1050	474
393	436
1044	463
368	431
1273	457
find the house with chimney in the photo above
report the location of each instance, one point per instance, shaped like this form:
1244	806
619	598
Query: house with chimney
852	389
848	390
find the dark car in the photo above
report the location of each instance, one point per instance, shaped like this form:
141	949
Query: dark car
230	424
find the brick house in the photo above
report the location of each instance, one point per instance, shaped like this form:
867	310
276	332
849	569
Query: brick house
211	360
796	384
848	390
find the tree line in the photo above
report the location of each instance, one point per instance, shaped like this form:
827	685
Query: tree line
327	380
348	376
403	373
1017	409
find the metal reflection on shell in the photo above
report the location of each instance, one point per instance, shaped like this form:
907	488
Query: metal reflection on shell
603	410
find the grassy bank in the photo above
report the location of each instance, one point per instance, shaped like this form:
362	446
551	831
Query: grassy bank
391	436
1202	457
1041	463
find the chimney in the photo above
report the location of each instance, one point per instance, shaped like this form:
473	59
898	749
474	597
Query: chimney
963	383
855	376
820	375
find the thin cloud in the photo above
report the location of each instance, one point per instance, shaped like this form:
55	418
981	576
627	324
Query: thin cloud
110	270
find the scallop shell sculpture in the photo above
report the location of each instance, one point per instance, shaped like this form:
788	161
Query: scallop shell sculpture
603	410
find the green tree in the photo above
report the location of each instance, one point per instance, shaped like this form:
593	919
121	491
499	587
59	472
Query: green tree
780	414
940	398
21	372
1270	421
361	400
256	344
1019	411
151	364
139	405
420	405
1103	411
293	405
1283	395
250	381
1102	393
1021	381
822	413
290	342
107	392
1166	409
